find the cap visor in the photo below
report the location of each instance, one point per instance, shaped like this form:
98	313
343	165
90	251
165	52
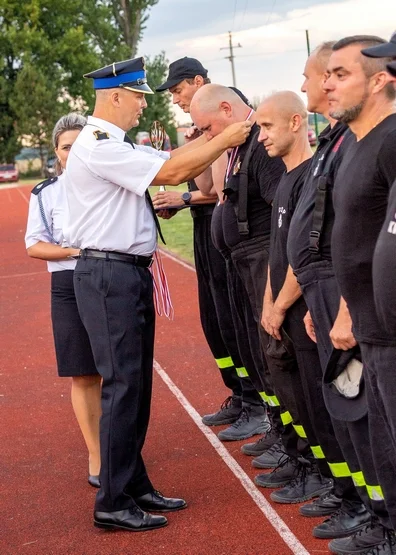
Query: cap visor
381	51
168	84
392	68
139	89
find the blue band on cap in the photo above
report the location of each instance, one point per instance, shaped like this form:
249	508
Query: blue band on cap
109	82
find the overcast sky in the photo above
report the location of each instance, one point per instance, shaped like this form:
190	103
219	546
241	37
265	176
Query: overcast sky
271	32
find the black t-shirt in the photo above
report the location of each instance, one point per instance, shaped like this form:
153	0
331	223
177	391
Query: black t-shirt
332	144
263	178
384	268
217	229
361	190
284	205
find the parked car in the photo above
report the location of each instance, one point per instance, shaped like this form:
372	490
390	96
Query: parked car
49	168
311	136
8	172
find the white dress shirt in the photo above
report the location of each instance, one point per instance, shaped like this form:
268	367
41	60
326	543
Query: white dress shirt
106	184
54	205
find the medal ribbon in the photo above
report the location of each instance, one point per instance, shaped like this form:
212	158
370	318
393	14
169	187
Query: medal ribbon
162	299
234	152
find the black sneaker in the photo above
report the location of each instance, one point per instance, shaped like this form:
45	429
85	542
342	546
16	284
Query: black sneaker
324	505
370	536
307	485
387	547
271	457
229	412
251	421
287	469
261	445
341	524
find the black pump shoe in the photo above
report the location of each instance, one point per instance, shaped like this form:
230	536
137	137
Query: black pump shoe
94	481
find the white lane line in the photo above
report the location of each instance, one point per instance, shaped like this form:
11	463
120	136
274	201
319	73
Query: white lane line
271	515
23	275
23	195
178	260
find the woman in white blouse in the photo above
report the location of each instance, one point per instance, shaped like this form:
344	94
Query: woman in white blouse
44	240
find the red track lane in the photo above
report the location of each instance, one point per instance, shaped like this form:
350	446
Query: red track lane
45	503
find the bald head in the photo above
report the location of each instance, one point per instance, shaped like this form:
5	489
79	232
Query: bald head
215	107
283	121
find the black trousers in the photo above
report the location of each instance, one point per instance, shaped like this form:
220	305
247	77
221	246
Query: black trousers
379	374
115	301
250	261
215	311
322	295
311	407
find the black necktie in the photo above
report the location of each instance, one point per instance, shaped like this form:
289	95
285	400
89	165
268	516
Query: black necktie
148	197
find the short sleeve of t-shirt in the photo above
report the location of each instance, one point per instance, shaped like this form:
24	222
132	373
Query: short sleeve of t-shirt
387	159
131	168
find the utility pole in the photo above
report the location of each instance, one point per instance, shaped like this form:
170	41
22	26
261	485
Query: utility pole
231	57
315	115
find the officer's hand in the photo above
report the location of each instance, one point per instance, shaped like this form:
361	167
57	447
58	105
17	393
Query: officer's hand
163	199
309	326
166	214
192	133
341	334
275	322
236	133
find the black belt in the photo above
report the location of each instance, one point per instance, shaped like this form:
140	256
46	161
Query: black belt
136	259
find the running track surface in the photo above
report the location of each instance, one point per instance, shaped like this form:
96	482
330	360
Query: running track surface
45	501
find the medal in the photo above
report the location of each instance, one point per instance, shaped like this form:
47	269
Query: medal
237	166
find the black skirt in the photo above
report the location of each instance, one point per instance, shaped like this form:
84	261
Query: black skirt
73	349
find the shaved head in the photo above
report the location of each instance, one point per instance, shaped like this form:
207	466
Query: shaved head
283	121
285	104
215	107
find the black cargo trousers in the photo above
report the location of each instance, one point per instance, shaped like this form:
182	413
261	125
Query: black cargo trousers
322	295
215	311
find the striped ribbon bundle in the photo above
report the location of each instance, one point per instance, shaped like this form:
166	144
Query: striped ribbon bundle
162	298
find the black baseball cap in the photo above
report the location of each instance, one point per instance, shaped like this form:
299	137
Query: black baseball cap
341	404
185	68
385	50
392	68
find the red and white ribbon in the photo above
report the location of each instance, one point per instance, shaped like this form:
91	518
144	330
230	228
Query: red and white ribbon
234	152
162	298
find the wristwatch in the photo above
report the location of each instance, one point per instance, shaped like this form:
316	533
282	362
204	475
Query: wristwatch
186	197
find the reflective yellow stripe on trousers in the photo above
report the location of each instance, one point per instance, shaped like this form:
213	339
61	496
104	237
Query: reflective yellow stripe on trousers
271	400
374	492
225	362
340	470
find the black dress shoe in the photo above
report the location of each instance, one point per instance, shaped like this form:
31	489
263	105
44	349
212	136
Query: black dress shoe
156	502
341	524
94	481
133	520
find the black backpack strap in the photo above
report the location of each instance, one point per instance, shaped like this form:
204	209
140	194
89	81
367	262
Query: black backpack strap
241	212
322	191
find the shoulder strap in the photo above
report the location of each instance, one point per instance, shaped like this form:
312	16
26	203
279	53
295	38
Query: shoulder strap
40	186
321	197
242	219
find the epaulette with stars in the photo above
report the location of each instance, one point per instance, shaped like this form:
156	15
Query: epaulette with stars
40	186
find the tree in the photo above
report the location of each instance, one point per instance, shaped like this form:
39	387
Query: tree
130	17
158	105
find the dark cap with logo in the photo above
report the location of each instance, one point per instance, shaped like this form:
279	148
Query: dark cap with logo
185	68
129	74
385	50
343	386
